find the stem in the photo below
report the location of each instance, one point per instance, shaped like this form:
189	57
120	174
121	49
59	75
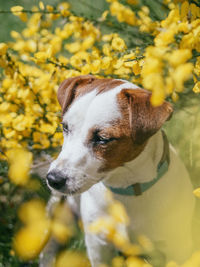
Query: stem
30	11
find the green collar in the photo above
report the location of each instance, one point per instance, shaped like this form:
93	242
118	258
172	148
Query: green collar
139	188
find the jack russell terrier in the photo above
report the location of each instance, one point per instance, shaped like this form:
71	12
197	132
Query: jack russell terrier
112	140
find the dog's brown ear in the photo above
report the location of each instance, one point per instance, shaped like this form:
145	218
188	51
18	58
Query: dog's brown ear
145	120
67	90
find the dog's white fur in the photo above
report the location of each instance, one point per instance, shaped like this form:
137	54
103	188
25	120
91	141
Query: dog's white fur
163	213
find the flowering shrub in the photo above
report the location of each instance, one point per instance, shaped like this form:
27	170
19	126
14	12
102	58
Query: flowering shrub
130	40
43	55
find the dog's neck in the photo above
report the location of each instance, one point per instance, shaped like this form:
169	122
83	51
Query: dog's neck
142	169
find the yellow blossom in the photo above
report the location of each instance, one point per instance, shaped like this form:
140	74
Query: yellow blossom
41	5
86	69
103	225
30	240
73	47
72	258
3	48
104	15
41	57
20	162
118	212
181	74
95	66
196	87
47	128
32	211
179	57
157	97
118	44
136	68
16	10
105	63
196	192
41	140
136	262
118	262
60	231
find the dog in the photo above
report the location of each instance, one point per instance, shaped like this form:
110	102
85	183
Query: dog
113	141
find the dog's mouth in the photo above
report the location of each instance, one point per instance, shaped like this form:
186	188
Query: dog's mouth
64	190
71	186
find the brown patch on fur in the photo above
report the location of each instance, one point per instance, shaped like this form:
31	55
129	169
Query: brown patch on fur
144	119
140	120
116	152
74	87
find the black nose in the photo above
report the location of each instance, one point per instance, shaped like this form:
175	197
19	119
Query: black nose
56	180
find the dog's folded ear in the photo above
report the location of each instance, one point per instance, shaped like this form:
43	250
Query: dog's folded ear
67	90
145	119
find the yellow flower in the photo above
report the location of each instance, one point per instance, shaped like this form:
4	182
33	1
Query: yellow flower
103	224
179	57
49	8
65	13
117	211
184	10
196	87
196	192
32	211
5	106
31	239
60	231
175	96
123	13
86	69
16	10
41	140
136	262
119	63
158	96
23	17
165	38
47	128
20	161
3	48
72	258
87	43
9	133
118	262
41	5
169	85
104	15
181	74
106	62
136	68
41	57
118	44
95	66
73	47
106	49
184	27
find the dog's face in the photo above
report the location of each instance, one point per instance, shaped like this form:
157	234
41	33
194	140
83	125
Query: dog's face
106	122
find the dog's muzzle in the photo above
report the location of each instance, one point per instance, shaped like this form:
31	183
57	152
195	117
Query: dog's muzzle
56	180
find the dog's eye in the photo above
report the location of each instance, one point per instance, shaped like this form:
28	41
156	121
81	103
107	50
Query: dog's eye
65	127
100	140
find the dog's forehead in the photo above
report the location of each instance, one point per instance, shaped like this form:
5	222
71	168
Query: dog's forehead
94	109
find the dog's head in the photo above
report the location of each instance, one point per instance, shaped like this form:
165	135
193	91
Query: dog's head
106	123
